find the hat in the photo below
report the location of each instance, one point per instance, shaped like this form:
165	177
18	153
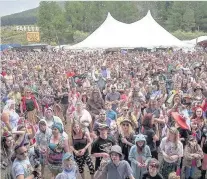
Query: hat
125	107
116	149
197	66
198	87
49	109
78	103
127	121
67	156
180	120
187	96
103	126
58	126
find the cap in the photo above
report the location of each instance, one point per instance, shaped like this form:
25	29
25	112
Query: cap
103	126
67	156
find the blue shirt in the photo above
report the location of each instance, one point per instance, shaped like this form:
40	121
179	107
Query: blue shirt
111	114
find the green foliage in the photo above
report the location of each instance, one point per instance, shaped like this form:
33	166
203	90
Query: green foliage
188	19
51	21
8	35
79	36
182	35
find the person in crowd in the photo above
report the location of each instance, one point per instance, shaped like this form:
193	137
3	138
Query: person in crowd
30	106
110	113
102	145
102	119
126	137
198	117
126	113
21	167
152	133
204	148
81	141
70	169
63	94
172	151
57	146
173	175
52	119
16	96
47	96
116	167
95	103
192	157
42	138
9	78
7	146
82	116
113	97
139	155
152	170
13	117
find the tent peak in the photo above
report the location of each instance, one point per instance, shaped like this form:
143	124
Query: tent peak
149	14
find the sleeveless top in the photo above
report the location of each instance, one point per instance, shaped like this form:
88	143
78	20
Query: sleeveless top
56	152
80	143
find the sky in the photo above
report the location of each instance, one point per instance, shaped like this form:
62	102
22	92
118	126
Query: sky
8	7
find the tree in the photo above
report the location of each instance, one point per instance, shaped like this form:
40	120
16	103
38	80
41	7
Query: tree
51	21
175	17
188	19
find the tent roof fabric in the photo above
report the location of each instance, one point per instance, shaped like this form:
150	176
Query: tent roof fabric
145	33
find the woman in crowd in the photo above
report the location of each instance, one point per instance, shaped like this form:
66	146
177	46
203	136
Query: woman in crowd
172	151
13	117
30	106
81	141
192	157
95	103
7	146
198	117
126	137
58	145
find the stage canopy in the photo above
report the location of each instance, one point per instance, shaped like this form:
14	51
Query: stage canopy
145	33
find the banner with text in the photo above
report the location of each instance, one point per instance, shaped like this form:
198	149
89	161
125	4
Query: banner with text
33	36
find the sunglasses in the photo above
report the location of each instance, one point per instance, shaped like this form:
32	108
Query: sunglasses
126	109
23	152
153	166
125	125
102	114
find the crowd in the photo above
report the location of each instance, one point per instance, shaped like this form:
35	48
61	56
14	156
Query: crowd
126	115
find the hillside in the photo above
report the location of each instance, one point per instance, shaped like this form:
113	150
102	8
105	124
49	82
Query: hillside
28	17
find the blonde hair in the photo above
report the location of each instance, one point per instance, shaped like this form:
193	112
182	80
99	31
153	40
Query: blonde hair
174	131
130	131
173	175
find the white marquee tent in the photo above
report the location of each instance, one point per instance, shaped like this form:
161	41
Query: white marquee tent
143	33
196	40
106	36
